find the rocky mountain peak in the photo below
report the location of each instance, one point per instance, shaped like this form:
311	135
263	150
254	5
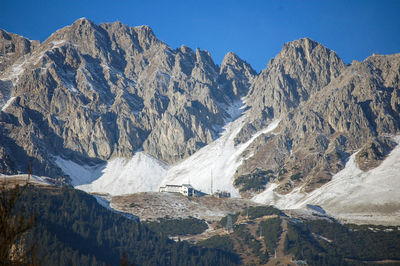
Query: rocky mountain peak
82	22
108	90
13	43
204	57
305	44
92	38
184	49
231	60
205	69
81	27
145	30
328	111
239	73
308	55
302	68
83	33
12	47
99	92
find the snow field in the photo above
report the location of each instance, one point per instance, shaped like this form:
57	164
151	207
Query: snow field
351	194
217	161
126	176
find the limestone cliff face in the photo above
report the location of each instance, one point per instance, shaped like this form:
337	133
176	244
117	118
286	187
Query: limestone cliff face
99	91
344	110
301	69
93	92
12	47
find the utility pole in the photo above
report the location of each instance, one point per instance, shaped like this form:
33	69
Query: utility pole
29	170
211	188
229	223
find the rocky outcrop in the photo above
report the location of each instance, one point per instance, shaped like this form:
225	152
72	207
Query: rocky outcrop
12	47
99	91
236	75
301	69
356	109
374	152
93	92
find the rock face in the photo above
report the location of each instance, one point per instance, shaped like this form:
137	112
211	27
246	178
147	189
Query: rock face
301	69
93	92
99	91
373	152
12	47
339	111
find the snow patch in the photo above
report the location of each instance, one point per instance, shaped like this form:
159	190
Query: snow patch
5	106
70	86
57	43
216	162
234	110
352	194
79	174
15	72
126	176
323	238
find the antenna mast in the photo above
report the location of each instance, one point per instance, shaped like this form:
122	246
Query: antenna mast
211	189
229	223
29	170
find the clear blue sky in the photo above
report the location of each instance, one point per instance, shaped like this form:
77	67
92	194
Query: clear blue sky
255	30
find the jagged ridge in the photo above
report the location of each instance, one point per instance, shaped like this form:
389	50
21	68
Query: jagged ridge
94	92
102	91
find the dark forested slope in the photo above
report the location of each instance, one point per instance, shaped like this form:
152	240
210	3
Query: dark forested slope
73	229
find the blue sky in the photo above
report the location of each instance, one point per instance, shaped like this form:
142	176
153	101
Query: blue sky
255	30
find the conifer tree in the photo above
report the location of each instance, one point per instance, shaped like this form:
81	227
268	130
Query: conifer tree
13	226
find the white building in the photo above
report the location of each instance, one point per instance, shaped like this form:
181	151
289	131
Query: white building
184	189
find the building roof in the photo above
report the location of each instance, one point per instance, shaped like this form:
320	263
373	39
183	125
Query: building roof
173	185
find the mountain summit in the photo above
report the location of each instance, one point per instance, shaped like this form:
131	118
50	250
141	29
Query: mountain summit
113	104
100	91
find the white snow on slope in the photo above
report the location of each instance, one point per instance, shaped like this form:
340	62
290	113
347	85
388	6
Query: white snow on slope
352	194
144	173
17	69
80	174
219	159
126	176
15	72
9	101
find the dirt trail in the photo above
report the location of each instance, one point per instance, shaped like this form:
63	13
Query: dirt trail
253	230
281	257
205	235
253	225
